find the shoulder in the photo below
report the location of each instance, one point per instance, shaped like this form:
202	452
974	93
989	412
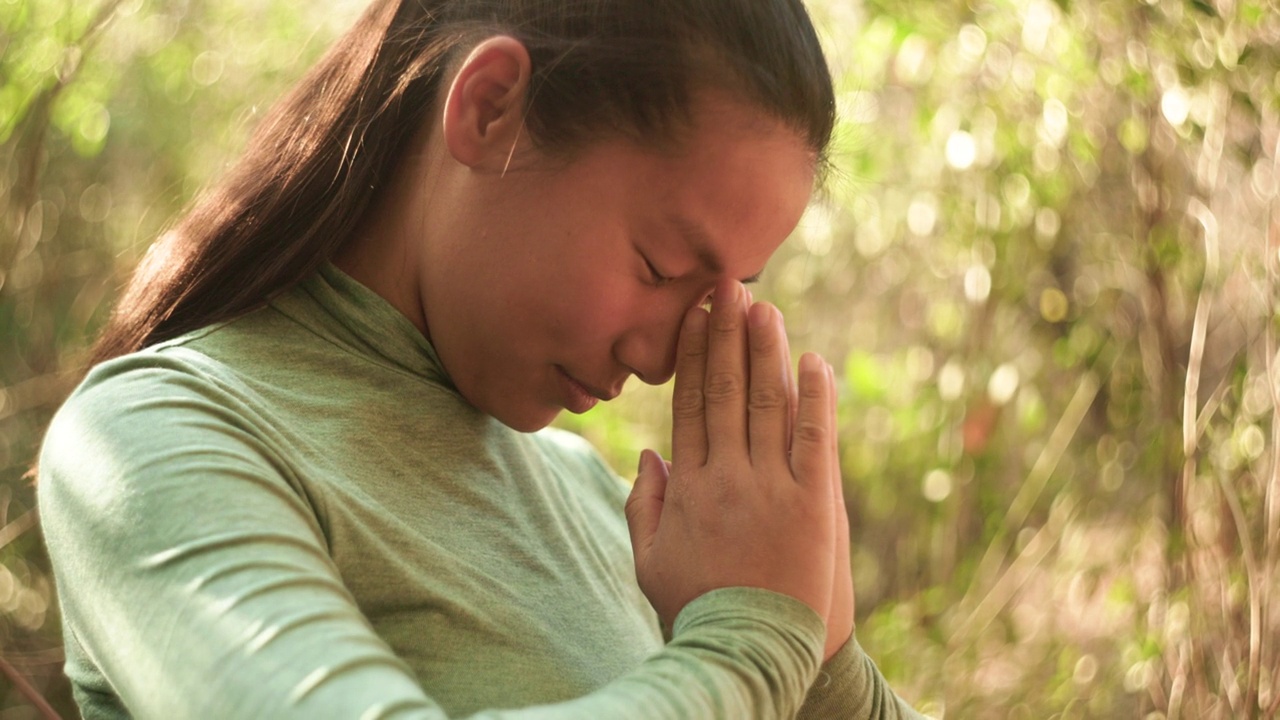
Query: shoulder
169	379
215	372
162	409
146	448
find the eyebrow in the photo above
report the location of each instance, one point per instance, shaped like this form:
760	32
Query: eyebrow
700	240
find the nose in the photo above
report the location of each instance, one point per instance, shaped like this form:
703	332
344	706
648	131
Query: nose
648	349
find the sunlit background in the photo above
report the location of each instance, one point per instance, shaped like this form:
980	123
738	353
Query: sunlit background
1043	263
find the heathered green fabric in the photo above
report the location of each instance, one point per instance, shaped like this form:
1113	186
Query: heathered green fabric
294	515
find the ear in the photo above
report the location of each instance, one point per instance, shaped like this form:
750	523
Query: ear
484	110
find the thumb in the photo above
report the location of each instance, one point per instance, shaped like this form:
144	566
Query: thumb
644	505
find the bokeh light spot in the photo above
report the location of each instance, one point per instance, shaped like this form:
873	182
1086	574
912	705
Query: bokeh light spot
922	215
1054	305
962	150
1003	384
937	485
950	381
1175	106
977	284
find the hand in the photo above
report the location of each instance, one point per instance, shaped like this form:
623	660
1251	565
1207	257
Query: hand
751	497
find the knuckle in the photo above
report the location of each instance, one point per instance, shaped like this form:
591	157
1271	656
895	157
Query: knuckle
632	507
723	386
677	500
812	391
766	398
687	404
763	342
810	431
724	323
693	345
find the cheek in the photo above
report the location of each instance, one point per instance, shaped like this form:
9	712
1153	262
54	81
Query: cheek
601	309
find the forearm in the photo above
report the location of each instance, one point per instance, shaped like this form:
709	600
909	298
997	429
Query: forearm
850	686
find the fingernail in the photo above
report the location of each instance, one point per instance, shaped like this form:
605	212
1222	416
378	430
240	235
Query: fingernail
759	315
732	293
809	362
640	466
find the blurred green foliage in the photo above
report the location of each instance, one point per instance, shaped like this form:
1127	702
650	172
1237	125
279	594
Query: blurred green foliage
1043	262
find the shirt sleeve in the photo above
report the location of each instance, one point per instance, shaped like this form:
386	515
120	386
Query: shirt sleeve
196	581
850	686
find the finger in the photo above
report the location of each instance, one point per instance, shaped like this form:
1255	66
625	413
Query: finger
644	504
768	399
792	389
833	416
725	390
843	590
840	621
811	435
688	421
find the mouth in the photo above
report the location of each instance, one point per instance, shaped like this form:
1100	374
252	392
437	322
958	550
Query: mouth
581	397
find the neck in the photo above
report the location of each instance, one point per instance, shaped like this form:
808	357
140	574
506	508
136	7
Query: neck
384	250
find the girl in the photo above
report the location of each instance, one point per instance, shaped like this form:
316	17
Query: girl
303	479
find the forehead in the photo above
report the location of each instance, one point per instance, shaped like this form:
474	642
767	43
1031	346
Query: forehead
732	188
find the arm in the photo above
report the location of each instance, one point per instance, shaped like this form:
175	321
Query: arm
197	579
850	686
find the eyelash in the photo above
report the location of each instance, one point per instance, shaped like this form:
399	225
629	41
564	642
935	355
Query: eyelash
657	278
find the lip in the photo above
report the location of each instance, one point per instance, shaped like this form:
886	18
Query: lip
581	397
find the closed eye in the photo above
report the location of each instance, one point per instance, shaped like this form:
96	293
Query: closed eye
655	277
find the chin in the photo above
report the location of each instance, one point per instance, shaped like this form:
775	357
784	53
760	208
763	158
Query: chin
525	420
524	415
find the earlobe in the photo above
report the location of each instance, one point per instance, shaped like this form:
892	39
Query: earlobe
485	104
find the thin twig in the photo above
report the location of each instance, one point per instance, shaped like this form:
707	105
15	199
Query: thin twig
1192	427
1015	517
13	530
27	691
1017	573
1254	668
1212	404
1227	671
1271	498
1179	685
35	392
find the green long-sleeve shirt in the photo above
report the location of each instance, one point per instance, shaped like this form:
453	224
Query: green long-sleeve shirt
295	515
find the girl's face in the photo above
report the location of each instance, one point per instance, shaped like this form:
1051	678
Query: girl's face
547	288
545	283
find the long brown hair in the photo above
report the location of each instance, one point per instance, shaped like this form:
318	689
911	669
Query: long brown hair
315	164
